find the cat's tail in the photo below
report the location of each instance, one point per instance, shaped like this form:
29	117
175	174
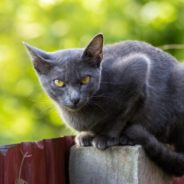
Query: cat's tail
171	162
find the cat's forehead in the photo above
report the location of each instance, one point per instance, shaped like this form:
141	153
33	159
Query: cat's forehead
69	63
68	55
69	71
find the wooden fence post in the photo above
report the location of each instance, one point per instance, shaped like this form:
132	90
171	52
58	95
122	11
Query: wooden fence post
116	165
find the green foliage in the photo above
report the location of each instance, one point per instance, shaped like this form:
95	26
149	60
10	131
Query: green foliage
26	113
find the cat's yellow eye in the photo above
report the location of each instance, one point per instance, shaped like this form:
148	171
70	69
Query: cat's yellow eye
85	80
59	83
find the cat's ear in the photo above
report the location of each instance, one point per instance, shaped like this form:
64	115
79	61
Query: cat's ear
40	59
94	51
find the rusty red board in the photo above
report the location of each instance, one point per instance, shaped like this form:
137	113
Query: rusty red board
43	162
178	180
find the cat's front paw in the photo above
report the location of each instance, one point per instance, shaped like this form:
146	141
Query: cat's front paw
135	134
103	142
125	141
84	139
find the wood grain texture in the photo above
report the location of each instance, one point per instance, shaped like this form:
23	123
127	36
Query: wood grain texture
116	165
42	162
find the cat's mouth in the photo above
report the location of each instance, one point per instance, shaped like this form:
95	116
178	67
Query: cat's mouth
74	107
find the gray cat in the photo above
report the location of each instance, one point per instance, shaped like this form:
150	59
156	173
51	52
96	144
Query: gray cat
125	93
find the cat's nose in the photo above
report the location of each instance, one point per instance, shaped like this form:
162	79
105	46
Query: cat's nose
74	95
75	100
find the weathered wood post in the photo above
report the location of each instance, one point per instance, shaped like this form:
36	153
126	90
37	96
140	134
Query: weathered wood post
116	165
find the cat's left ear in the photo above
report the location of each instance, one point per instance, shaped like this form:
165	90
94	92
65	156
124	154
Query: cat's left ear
94	51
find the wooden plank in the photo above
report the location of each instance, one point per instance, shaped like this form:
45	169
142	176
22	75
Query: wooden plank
116	165
42	162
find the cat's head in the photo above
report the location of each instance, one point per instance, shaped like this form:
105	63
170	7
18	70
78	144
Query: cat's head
72	76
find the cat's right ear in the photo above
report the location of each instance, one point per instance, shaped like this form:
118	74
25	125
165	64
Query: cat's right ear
94	51
40	59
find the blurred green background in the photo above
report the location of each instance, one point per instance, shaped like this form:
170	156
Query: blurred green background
26	113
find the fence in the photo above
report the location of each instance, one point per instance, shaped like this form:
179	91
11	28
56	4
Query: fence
42	162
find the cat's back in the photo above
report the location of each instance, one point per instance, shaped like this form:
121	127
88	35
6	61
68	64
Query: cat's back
129	61
130	47
158	63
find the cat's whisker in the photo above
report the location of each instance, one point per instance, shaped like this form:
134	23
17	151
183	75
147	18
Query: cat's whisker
116	84
42	102
102	95
102	98
98	106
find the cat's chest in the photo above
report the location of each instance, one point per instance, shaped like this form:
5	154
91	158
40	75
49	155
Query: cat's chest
84	120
